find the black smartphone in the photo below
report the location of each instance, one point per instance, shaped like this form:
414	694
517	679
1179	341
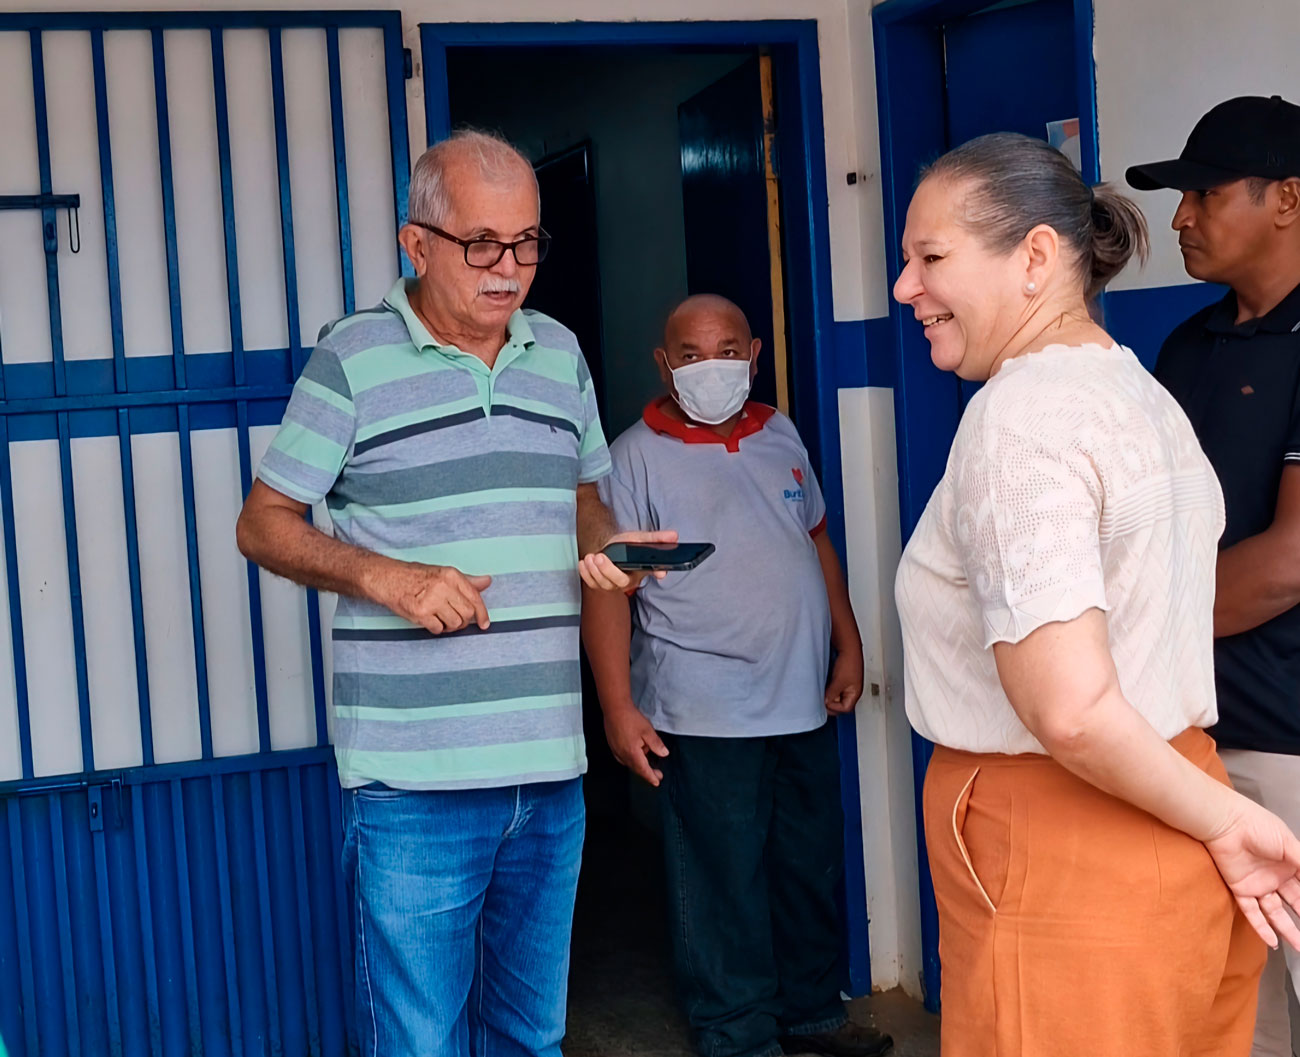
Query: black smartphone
671	557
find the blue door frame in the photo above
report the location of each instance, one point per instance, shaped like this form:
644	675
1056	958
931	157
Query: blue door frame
805	223
185	908
910	95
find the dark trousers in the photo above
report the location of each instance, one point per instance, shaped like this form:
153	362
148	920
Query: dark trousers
753	839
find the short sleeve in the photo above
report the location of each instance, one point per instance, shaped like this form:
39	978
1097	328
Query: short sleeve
1027	512
593	452
625	493
315	437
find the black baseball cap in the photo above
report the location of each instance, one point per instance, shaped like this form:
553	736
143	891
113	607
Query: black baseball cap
1246	136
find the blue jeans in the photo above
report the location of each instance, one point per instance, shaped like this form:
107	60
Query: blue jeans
464	906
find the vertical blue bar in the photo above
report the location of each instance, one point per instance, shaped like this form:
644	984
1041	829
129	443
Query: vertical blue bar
15	602
140	839
237	355
219	839
299	857
106	948
316	654
395	70
340	169
24	923
286	199
342	912
169	205
59	854
196	586
50	220
119	379
110	209
264	909
182	411
182	851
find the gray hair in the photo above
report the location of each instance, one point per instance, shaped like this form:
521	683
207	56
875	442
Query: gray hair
496	159
1017	182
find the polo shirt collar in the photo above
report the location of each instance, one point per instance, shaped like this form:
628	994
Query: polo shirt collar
519	335
1283	319
754	417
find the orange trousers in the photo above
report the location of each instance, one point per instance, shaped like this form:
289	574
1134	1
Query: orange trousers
1072	924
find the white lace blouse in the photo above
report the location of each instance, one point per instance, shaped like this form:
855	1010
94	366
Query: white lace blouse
1074	482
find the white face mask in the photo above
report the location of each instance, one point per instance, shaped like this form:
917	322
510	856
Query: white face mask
711	391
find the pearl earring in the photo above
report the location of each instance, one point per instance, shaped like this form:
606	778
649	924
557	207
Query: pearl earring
1030	287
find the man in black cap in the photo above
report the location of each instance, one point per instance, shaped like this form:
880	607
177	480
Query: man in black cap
1235	369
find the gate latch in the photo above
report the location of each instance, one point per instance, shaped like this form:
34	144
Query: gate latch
48	205
97	804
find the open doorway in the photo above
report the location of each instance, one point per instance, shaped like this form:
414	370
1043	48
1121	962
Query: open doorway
722	101
654	186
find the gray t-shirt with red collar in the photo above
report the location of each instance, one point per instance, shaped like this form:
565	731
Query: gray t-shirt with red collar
740	645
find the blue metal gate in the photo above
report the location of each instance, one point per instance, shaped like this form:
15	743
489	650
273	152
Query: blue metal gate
186	906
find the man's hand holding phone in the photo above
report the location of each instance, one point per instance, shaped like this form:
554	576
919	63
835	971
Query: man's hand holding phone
600	573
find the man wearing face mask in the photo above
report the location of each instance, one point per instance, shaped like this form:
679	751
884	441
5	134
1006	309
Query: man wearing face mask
714	687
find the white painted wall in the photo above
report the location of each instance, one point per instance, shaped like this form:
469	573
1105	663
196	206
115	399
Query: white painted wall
873	533
1161	64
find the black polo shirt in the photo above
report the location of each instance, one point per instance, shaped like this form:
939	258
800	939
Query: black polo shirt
1240	386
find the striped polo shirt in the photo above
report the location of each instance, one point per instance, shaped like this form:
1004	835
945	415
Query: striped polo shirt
422	453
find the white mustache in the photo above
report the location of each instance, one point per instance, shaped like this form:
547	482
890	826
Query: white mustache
492	284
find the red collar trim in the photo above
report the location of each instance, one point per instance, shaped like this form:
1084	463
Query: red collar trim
753	418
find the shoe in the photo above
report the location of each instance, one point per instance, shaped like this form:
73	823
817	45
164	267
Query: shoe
849	1040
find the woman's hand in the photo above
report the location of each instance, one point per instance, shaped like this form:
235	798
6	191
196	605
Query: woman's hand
1259	859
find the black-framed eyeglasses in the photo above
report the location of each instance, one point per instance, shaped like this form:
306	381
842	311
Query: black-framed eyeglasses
485	253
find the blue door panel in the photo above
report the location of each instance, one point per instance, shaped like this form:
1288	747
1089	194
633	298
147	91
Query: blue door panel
191	908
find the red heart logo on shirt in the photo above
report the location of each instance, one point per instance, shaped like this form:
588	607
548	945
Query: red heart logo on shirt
798	475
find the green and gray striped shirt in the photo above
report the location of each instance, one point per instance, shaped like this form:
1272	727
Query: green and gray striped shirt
422	453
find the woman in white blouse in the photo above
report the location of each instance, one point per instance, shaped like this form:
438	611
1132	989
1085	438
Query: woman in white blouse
1101	889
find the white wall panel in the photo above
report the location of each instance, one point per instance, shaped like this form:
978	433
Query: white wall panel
257	190
196	174
106	603
137	190
24	311
47	612
164	582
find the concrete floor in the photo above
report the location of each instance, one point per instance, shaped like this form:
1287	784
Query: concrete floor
621	997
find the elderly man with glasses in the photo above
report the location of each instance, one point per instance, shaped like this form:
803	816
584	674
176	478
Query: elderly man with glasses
454	439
